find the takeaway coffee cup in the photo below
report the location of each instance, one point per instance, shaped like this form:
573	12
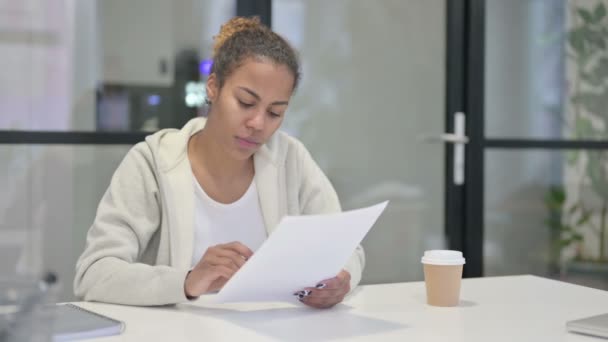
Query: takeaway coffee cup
442	275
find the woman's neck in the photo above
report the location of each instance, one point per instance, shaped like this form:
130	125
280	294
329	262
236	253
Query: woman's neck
208	154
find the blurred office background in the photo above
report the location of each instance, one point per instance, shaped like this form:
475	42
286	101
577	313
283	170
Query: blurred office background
82	81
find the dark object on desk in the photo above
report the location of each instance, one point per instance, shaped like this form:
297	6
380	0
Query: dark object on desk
24	312
73	322
594	325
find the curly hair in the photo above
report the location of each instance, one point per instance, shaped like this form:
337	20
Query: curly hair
241	38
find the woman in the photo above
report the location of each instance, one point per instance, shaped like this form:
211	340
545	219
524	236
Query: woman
186	209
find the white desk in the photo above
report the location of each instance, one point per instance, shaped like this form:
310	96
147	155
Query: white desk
515	308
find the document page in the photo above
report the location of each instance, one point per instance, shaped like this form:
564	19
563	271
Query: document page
302	251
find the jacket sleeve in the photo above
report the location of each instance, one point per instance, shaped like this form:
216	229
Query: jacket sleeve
127	218
317	196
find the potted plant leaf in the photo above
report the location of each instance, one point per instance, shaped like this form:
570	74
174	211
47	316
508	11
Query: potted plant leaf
578	210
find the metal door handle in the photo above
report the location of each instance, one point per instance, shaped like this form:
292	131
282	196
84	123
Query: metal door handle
459	139
450	138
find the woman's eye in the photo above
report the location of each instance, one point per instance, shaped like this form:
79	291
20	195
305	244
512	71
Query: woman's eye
275	114
245	104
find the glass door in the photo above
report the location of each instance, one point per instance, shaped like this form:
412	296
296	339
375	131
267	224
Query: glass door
540	109
372	98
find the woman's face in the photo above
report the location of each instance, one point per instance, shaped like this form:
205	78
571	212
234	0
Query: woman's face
249	107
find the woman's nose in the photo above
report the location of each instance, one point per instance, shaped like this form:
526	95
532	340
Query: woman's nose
257	121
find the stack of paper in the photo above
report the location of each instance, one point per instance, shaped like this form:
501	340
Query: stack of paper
302	251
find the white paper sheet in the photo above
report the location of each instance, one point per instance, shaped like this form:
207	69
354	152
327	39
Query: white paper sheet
302	251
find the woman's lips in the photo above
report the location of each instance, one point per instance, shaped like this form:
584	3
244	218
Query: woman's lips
247	143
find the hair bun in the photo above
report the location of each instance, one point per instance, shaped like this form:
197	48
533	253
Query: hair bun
233	26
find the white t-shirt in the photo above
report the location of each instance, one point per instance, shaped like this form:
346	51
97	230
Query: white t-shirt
217	223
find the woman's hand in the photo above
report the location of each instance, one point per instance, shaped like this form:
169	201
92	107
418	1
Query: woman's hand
216	267
326	293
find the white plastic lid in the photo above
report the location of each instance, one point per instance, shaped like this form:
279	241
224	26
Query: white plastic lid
443	257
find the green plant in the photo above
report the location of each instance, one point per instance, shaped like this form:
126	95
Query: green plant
587	42
566	225
562	234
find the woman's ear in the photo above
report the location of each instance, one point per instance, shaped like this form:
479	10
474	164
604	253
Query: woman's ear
212	87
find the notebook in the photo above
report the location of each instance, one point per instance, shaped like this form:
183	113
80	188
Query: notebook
594	325
73	322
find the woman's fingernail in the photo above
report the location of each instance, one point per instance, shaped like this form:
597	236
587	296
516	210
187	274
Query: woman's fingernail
321	286
302	294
